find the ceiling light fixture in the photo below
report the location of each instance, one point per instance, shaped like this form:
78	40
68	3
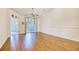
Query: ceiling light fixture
34	13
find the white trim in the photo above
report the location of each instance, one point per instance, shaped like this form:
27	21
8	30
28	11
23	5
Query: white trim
70	37
2	43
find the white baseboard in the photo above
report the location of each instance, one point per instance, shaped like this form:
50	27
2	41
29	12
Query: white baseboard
66	36
2	43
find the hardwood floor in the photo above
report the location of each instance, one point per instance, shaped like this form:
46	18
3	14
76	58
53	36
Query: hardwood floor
40	42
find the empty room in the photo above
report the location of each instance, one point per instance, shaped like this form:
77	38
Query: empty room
39	29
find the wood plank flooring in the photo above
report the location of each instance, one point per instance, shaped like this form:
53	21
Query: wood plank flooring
42	42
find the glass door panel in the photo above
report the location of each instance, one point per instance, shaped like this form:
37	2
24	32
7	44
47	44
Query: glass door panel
30	25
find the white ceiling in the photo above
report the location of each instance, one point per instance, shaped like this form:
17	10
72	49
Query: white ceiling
29	11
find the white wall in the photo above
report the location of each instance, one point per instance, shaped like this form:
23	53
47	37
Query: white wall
3	26
38	23
61	22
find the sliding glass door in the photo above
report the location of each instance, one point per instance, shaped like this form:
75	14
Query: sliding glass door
30	25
